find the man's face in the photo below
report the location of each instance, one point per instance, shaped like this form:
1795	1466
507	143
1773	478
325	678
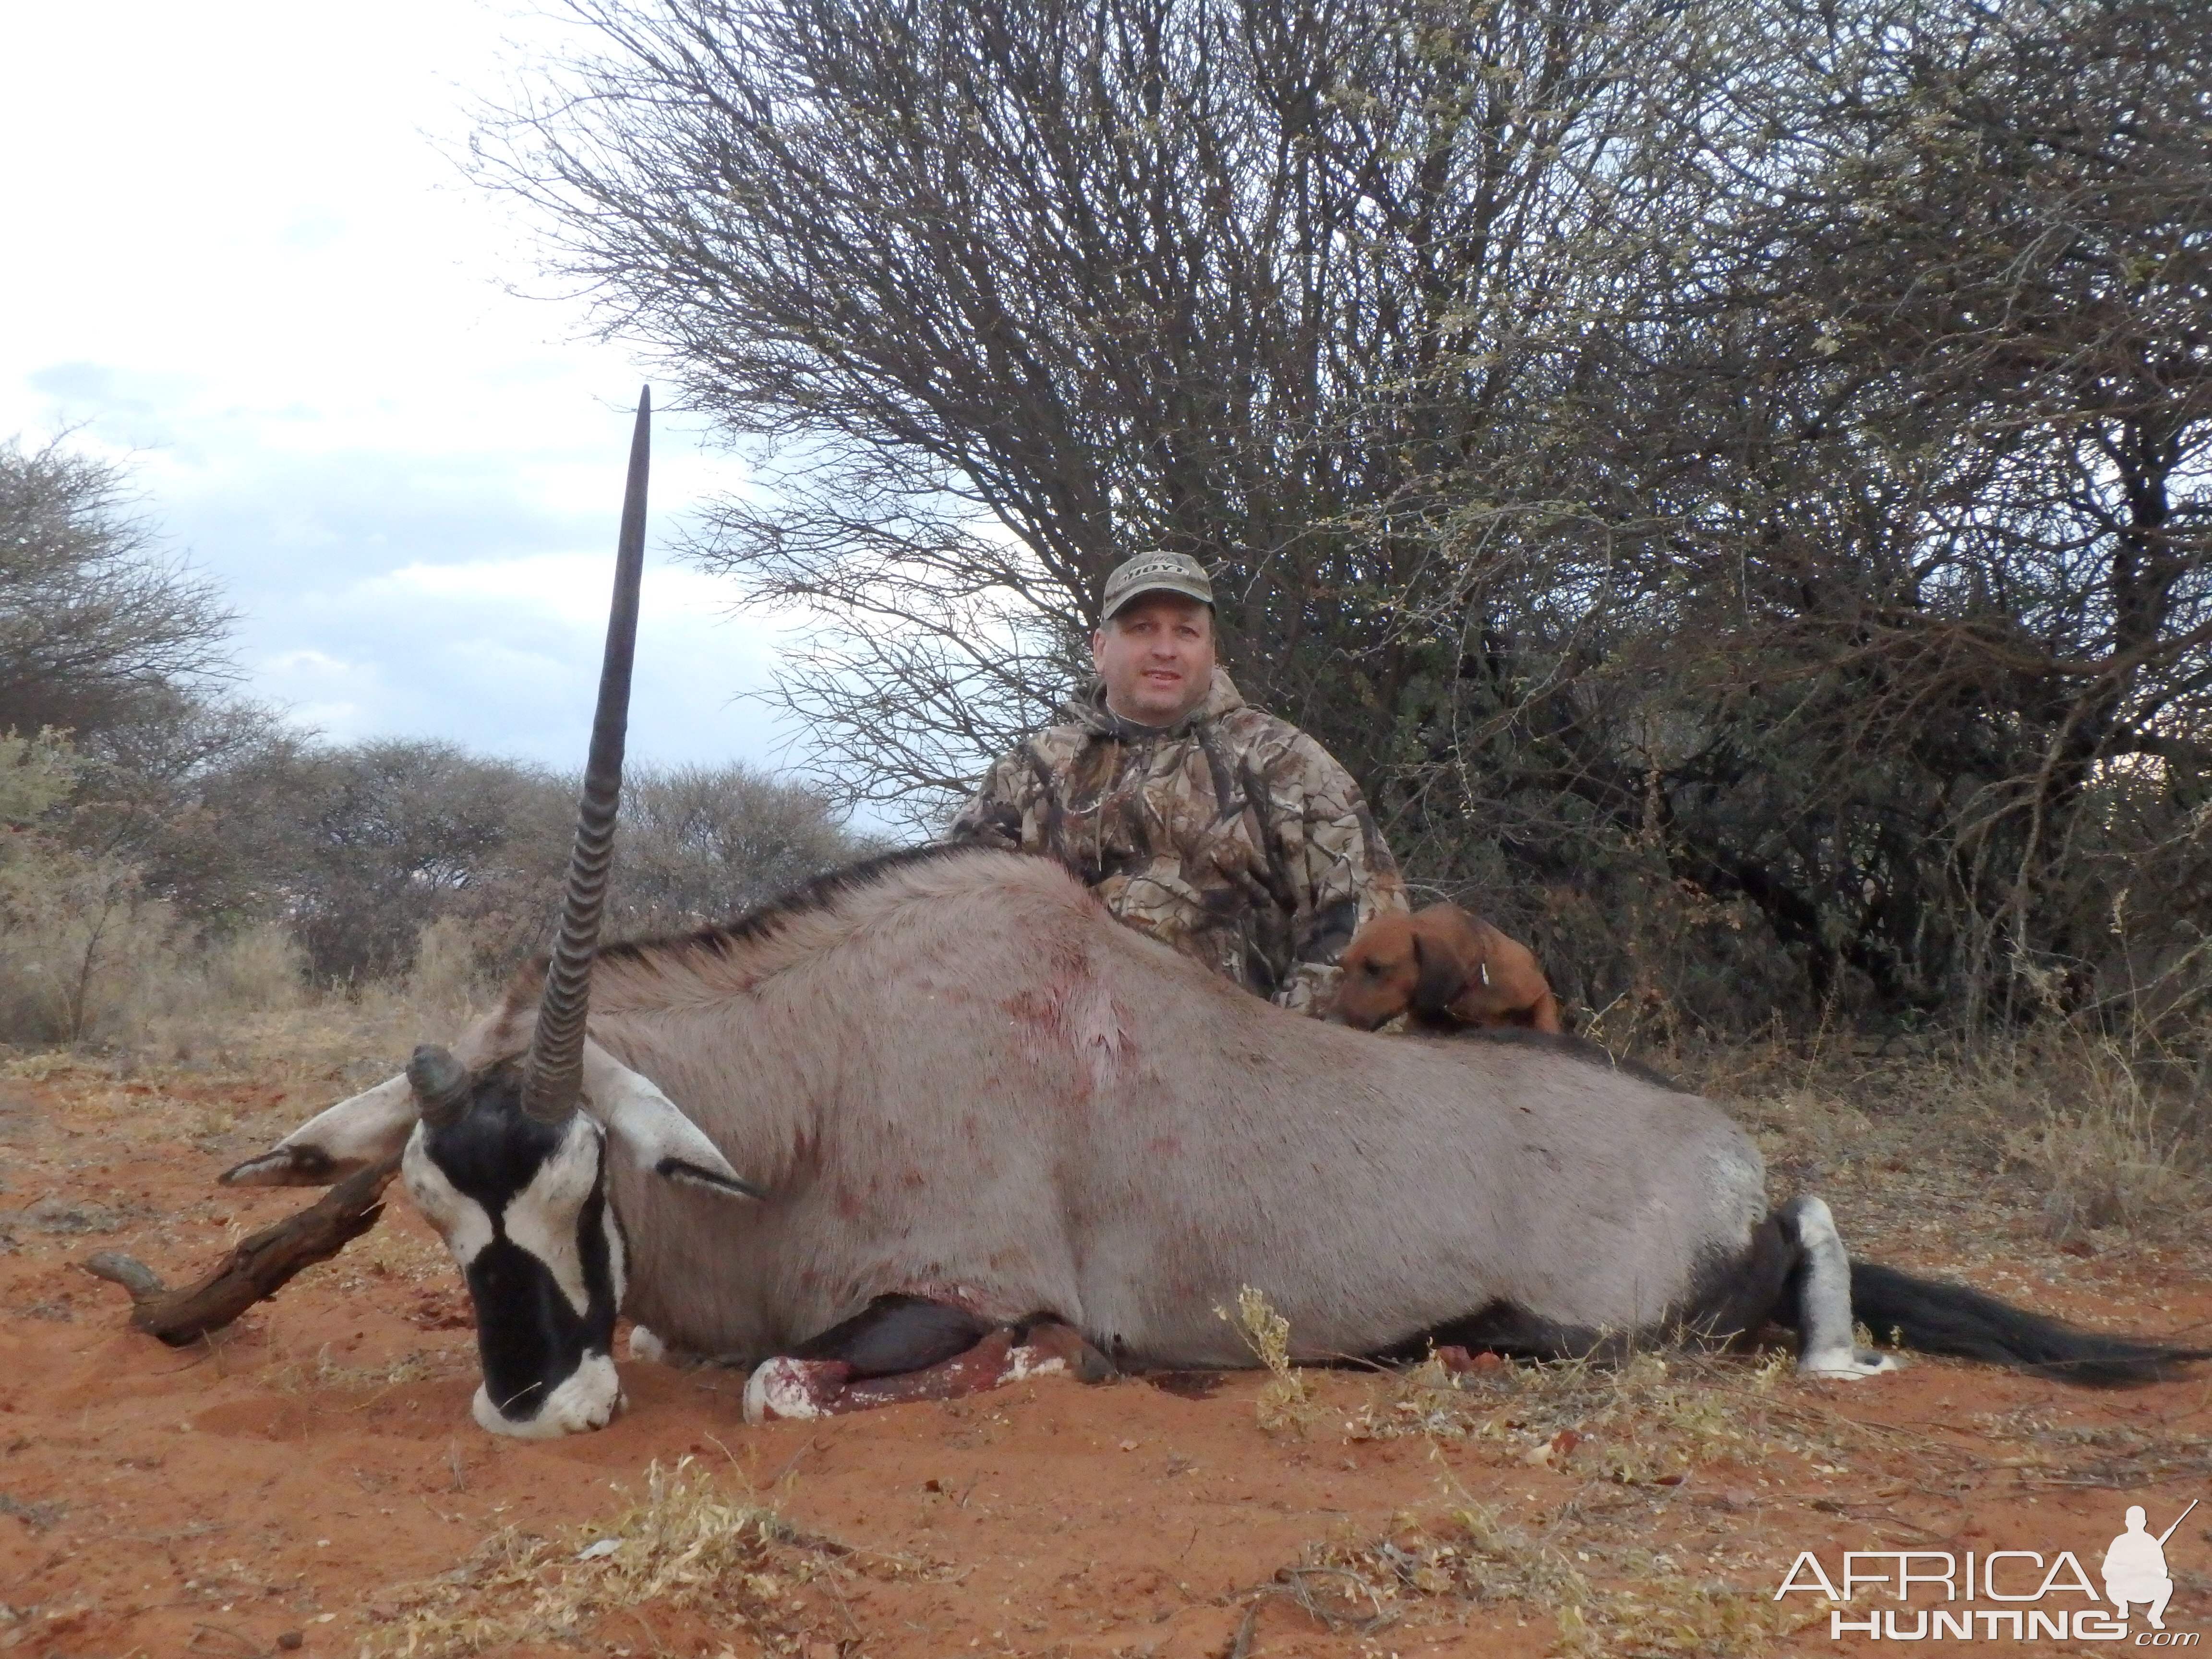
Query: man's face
1156	658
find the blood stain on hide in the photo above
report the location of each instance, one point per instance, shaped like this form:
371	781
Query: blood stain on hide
1032	1007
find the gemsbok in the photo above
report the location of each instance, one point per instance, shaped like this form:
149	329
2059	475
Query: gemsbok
939	1119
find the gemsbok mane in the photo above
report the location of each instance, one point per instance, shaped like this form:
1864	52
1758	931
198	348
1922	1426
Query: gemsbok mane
729	958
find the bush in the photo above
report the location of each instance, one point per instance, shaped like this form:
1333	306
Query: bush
100	634
84	945
699	844
71	921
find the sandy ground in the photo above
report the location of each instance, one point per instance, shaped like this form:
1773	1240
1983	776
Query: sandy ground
311	1482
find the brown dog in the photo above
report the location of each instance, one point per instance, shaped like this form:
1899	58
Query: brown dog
1444	967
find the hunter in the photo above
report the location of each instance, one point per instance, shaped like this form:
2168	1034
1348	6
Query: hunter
1215	828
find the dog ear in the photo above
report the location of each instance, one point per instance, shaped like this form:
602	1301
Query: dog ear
1443	969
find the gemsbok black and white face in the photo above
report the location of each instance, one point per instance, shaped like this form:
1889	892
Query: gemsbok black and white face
523	1202
522	1205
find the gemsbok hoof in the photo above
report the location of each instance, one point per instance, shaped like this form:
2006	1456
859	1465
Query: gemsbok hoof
1854	1366
794	1388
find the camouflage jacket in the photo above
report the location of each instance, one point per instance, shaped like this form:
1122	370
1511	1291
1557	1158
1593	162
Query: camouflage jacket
1232	835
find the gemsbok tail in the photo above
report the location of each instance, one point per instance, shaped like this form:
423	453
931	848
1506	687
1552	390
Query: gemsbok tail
1934	1316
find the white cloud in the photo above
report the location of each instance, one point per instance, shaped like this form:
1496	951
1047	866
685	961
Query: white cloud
242	257
491	654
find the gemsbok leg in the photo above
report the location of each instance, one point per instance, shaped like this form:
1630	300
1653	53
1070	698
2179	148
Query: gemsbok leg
902	1348
1826	1345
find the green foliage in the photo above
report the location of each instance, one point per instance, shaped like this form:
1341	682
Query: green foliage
358	850
37	775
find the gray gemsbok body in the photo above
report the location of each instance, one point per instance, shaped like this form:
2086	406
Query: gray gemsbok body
951	1080
959	1078
956	1077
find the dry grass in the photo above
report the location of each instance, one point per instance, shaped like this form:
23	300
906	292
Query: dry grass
1638	1430
2084	1133
1287	1400
1468	1553
686	1544
85	954
356	1038
1672	1448
292	1374
1633	1434
2109	1456
118	987
1645	1422
2110	1140
1674	1613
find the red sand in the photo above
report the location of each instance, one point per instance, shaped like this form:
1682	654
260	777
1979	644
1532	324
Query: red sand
210	1501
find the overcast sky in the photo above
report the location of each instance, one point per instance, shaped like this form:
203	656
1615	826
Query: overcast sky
239	256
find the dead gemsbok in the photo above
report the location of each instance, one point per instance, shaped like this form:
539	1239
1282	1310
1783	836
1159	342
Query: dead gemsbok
939	1119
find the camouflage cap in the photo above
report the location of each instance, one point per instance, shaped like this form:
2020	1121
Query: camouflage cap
1155	572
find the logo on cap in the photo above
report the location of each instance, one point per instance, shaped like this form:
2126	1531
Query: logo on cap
1156	573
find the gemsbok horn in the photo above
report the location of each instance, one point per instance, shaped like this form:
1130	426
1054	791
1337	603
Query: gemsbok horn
553	1078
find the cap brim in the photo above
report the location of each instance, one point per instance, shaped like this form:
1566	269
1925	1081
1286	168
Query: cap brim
1186	590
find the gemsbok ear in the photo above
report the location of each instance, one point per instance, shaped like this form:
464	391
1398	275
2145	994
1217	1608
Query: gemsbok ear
690	1175
365	1129
657	1138
1445	965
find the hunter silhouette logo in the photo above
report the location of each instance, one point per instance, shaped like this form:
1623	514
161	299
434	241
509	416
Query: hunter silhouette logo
2134	1569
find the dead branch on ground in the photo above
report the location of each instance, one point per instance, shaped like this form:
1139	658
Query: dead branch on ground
256	1268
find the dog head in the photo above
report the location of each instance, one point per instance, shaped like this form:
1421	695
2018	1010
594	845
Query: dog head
1398	964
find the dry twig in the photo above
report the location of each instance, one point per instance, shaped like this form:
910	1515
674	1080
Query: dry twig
256	1268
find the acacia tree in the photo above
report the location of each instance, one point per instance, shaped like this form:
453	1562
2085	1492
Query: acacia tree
1010	289
113	657
701	844
1729	481
1942	468
356	849
98	634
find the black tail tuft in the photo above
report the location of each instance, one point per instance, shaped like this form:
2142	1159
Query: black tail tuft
1937	1318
